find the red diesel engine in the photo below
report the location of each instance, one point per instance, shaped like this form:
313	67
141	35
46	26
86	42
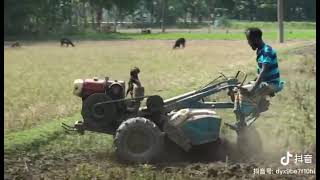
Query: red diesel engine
86	87
94	92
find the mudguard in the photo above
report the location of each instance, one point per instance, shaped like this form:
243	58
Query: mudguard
190	127
201	129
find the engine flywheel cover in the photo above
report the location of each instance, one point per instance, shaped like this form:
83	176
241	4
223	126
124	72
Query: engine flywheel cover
102	114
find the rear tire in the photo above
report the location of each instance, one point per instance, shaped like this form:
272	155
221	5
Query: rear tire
138	140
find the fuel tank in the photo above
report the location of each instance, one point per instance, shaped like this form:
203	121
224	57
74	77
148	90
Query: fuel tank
94	85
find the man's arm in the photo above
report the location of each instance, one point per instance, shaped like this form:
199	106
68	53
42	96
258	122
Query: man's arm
260	77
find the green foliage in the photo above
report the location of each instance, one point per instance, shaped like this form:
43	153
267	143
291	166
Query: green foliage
288	26
35	17
33	138
223	22
267	11
218	34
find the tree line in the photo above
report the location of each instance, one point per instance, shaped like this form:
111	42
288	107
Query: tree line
56	16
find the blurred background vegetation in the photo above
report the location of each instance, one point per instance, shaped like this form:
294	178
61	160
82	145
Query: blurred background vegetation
70	17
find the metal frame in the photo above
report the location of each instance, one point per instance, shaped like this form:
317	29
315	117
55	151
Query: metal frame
188	100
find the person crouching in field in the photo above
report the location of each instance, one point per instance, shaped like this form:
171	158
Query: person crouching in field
267	81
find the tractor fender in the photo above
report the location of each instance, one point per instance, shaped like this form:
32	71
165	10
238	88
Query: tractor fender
179	117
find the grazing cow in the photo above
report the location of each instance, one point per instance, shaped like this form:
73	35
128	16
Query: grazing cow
179	42
66	41
146	31
16	44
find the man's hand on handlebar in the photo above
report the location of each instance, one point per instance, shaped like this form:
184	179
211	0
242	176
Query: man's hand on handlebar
244	91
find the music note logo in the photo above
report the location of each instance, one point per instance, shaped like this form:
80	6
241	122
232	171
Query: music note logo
286	159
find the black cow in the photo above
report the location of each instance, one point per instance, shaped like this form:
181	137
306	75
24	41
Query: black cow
180	42
146	31
16	44
66	41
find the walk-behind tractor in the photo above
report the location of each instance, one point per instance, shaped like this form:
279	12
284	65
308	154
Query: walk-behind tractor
139	132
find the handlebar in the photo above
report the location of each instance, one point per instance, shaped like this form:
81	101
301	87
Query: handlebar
233	86
245	76
225	77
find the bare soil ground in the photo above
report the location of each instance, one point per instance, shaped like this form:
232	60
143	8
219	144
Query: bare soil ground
45	165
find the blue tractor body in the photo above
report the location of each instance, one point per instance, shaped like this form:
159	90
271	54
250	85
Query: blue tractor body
202	129
192	126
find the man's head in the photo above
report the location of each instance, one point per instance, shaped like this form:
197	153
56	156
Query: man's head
254	37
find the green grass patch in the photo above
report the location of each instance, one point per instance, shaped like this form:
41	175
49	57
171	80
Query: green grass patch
234	24
35	137
289	34
268	35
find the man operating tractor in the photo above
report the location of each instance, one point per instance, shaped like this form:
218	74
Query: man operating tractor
267	81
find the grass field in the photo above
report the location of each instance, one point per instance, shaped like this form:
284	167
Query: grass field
39	77
214	35
171	34
38	96
292	31
234	24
